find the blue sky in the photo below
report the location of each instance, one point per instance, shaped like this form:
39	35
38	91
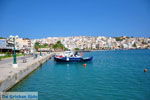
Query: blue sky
45	18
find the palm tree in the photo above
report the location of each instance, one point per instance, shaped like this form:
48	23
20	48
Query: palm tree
58	45
37	46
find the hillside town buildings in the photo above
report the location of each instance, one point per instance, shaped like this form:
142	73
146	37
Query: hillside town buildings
100	42
21	44
81	42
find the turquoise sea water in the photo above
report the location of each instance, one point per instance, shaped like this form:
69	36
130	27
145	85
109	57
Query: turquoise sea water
112	75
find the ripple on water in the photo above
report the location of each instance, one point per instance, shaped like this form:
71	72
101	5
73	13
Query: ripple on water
116	75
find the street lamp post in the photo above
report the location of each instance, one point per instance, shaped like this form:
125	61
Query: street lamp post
40	52
15	65
14	53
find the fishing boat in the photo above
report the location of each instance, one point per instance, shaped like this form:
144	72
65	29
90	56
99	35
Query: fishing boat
71	57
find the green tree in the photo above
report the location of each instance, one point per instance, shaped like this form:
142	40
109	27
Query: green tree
59	45
76	49
45	45
134	45
2	38
37	46
118	38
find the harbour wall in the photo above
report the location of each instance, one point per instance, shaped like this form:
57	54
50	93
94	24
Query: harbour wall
15	75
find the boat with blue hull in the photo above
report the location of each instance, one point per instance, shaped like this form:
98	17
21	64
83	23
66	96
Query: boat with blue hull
71	57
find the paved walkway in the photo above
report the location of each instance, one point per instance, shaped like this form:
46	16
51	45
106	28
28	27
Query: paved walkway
6	69
10	60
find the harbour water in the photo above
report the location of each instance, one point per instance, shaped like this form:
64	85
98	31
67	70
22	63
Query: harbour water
112	75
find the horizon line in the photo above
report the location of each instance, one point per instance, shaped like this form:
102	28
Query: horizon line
78	36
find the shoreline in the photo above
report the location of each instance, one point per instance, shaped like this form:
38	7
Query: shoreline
120	49
111	50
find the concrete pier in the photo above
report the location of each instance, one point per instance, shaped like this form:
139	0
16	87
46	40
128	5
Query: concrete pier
10	76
